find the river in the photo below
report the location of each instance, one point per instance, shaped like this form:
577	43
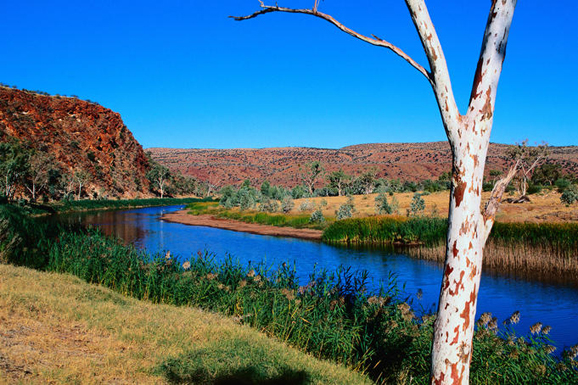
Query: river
550	304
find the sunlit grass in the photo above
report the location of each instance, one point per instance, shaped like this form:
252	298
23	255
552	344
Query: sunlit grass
65	331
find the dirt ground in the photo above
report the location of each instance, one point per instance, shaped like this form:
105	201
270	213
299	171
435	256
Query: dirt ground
544	207
228	224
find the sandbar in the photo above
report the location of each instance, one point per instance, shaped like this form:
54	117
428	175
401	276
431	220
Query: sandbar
183	217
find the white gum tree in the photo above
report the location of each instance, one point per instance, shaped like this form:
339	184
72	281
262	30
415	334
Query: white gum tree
469	137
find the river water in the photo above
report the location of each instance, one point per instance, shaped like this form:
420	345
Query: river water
550	304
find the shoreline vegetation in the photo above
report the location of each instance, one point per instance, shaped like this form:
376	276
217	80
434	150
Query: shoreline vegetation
332	317
542	251
67	206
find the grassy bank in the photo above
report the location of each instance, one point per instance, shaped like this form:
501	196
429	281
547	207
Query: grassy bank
547	251
332	317
298	221
101	204
57	329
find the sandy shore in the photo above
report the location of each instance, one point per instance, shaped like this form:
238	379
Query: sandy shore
229	224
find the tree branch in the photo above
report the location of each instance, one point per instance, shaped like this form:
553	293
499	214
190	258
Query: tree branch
441	83
374	40
491	58
493	204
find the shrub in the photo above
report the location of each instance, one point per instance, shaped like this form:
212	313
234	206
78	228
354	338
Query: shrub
306	206
381	204
417	205
287	204
269	205
570	195
562	184
317	217
346	210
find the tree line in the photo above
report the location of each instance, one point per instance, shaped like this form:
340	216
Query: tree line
34	174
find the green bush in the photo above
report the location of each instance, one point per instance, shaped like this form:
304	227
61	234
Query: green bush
317	217
382	206
570	195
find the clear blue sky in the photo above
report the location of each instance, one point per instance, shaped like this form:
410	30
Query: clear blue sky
183	75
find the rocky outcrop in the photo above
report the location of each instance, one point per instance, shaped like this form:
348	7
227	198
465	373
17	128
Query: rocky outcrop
81	135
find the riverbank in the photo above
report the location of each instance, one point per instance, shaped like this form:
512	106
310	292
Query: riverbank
58	329
105	204
183	217
331	317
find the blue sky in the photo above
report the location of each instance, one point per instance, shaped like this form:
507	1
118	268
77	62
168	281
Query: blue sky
184	75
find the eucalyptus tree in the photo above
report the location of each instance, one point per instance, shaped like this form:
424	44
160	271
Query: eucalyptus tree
312	172
41	167
14	164
527	158
469	138
339	180
159	176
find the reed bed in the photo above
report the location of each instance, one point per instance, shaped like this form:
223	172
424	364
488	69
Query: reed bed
546	251
388	230
331	317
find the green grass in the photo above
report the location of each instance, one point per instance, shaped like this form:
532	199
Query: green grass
388	230
280	220
559	237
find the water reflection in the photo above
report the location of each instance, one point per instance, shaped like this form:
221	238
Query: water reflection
550	304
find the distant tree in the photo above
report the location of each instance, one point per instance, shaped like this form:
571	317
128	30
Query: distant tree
81	177
547	174
159	176
14	164
183	184
367	181
266	189
42	169
297	192
526	159
247	197
338	180
310	174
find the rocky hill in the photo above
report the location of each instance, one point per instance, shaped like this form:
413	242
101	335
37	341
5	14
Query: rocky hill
404	161
80	135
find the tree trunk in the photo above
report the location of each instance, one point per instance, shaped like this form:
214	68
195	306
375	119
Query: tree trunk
454	326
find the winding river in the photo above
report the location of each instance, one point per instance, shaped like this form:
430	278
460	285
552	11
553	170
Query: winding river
550	304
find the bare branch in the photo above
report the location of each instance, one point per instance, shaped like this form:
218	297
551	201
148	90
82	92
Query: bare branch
374	40
493	203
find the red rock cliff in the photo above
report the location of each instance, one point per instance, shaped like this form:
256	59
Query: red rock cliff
81	135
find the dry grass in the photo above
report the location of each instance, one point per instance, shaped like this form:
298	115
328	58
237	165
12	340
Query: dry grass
57	329
544	207
532	262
